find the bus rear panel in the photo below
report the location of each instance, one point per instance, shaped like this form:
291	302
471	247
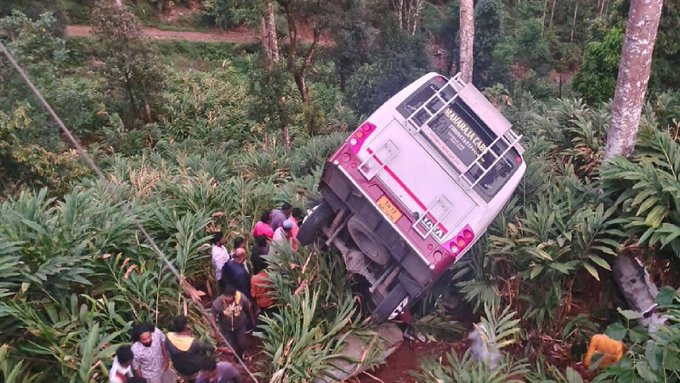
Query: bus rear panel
416	185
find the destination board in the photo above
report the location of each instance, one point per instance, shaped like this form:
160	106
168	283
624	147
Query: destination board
463	135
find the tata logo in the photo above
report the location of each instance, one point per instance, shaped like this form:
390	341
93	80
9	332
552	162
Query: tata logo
437	232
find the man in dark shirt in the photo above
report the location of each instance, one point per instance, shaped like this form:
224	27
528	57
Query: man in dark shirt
236	274
260	248
188	354
232	313
222	372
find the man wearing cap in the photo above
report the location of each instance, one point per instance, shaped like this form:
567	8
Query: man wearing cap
281	215
283	238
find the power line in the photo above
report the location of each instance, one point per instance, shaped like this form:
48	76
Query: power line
124	205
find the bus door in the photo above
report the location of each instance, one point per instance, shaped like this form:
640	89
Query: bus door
416	181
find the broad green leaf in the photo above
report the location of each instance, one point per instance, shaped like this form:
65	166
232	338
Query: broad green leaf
653	354
666	296
671	358
600	262
630	314
573	376
616	331
590	269
645	371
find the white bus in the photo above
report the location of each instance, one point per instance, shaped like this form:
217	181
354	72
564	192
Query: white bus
414	187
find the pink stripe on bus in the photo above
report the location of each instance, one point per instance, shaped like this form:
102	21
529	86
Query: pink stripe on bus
406	189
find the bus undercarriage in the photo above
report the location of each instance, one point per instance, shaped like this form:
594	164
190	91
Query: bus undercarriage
391	273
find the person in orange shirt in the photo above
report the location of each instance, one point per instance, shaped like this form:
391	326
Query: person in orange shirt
261	288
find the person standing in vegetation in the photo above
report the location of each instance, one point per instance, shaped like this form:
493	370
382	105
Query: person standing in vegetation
295	218
260	248
280	215
262	227
150	357
283	238
232	313
121	370
261	288
236	274
239	243
222	372
188	354
220	255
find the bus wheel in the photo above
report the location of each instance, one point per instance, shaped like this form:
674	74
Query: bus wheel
369	243
319	216
397	298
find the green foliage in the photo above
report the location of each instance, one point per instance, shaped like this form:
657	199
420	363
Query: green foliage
646	190
532	48
466	369
274	93
228	14
352	37
398	59
596	79
316	314
33	43
498	330
132	75
652	354
489	30
35	10
206	106
666	50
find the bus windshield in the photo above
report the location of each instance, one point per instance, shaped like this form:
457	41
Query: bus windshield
465	136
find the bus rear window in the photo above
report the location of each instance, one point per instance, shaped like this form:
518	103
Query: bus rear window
466	137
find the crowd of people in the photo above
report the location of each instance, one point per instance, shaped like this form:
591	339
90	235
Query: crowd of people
155	357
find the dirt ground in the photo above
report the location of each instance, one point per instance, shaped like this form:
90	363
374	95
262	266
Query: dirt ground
238	36
397	368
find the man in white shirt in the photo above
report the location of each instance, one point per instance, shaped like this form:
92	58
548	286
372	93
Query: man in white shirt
220	255
121	370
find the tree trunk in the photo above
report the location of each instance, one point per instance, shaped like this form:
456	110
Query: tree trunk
552	13
299	70
545	12
268	36
417	8
573	22
634	70
272	36
467	37
264	38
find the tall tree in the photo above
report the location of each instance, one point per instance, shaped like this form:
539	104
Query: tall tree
408	14
350	33
134	77
299	60
634	71
489	31
268	36
467	38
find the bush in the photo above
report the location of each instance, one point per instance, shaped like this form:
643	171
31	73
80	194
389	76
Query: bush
596	80
398	59
228	14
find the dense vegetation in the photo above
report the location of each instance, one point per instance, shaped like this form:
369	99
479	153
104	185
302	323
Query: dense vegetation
195	137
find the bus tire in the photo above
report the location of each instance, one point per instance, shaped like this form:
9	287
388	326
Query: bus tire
387	306
319	217
368	241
